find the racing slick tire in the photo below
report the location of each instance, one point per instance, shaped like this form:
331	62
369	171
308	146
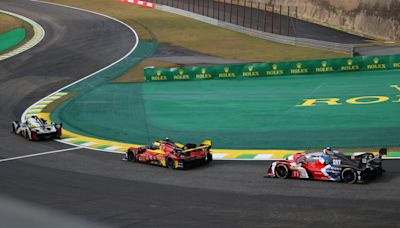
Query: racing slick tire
208	158
282	171
14	130
25	134
170	163
131	156
348	176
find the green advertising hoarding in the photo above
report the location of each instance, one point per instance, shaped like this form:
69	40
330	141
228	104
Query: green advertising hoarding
376	62
276	69
227	71
259	70
203	73
156	74
394	61
253	70
181	74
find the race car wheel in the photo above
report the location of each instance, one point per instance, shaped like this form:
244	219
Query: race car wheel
13	128
209	157
131	156
25	134
282	171
170	163
349	176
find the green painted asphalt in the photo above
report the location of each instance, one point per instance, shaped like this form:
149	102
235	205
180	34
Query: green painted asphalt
241	114
12	38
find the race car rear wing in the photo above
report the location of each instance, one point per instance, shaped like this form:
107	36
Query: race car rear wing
205	145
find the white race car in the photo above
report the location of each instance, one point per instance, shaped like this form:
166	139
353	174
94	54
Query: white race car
36	128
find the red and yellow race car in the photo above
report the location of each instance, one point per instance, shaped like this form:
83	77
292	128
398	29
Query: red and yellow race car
171	154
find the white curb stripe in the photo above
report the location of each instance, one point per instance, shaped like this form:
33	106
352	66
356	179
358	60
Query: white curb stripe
112	148
263	156
44	102
39	106
218	156
55	97
61	94
35	110
69	139
88	144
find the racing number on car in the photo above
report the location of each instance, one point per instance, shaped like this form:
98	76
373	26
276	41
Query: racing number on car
337	162
295	173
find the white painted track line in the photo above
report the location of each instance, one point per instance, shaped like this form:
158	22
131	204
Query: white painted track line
39	154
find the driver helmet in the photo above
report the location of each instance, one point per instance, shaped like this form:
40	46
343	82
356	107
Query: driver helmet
327	150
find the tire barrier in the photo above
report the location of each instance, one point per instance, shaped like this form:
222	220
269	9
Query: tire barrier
259	70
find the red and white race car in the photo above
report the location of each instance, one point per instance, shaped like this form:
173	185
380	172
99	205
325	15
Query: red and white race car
329	165
171	154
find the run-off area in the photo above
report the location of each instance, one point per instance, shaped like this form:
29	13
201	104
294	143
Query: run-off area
356	109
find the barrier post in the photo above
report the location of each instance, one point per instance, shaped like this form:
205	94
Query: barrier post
230	11
244	12
288	20
258	12
237	13
280	19
272	17
265	16
251	14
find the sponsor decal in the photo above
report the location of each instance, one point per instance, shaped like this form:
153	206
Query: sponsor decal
337	162
159	77
250	72
226	73
181	75
299	69
324	68
396	65
275	70
376	65
295	174
363	100
203	74
350	66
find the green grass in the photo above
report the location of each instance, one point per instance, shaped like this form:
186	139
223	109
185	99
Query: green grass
198	36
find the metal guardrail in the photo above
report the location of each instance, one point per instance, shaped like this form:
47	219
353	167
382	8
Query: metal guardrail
303	42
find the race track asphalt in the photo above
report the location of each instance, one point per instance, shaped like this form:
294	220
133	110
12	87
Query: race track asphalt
101	188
